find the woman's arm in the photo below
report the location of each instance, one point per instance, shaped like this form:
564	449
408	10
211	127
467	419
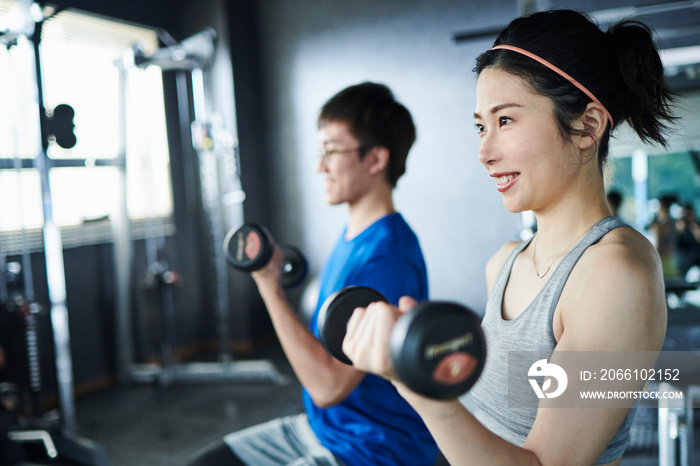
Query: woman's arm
613	301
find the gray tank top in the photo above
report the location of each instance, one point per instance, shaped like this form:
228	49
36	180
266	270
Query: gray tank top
530	331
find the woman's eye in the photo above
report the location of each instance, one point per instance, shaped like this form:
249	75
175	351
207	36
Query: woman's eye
504	120
479	128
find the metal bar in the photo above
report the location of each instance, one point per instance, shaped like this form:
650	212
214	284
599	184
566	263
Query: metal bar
27	273
692	397
60	163
667	422
202	372
211	194
55	270
123	250
35	436
3	275
11	164
671	422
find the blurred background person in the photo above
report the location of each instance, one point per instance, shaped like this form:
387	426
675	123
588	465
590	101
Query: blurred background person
688	247
665	236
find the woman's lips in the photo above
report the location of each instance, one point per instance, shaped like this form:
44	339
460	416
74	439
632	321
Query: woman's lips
505	180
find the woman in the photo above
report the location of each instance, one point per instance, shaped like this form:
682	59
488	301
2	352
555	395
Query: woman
549	94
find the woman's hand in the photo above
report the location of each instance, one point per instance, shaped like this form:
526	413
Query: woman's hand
368	335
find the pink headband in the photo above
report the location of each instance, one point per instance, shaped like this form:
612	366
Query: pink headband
559	72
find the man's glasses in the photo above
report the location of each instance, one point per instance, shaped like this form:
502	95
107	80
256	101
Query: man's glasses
327	154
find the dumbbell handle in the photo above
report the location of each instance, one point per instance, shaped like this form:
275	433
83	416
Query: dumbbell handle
437	349
250	248
453	365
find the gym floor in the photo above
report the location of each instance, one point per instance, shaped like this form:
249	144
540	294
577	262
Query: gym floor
149	425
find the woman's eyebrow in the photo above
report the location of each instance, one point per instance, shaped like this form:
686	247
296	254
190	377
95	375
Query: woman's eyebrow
498	108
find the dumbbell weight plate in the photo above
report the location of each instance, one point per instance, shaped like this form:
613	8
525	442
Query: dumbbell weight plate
438	349
248	248
294	267
335	313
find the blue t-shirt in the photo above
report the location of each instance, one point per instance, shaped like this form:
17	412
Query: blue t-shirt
374	424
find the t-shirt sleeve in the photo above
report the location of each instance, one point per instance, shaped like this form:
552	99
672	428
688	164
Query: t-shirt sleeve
394	276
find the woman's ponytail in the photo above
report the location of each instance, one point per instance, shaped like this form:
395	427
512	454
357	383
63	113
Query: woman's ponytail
646	102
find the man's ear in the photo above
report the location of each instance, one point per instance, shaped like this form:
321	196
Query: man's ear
594	121
378	159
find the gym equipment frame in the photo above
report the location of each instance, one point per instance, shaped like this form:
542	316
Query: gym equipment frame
190	60
59	435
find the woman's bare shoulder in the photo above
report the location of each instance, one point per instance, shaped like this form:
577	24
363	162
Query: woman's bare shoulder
495	263
626	248
618	281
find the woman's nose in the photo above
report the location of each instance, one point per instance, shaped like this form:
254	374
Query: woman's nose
487	152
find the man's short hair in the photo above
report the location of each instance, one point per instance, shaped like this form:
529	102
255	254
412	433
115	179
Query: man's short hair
374	118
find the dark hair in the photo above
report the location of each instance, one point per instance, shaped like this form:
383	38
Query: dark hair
614	199
621	67
375	118
688	205
668	199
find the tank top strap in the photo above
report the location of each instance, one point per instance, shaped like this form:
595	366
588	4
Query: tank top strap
504	274
563	270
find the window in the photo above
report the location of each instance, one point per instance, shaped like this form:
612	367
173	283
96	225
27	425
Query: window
81	65
642	179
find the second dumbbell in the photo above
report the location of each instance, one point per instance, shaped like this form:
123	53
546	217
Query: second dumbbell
437	349
250	247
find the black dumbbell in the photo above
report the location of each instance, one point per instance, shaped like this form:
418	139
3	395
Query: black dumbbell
250	247
438	348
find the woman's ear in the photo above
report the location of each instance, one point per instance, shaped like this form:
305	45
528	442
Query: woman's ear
378	159
594	121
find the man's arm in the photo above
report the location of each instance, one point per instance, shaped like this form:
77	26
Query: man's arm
327	380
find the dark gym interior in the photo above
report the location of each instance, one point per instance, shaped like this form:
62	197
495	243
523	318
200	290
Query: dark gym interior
132	336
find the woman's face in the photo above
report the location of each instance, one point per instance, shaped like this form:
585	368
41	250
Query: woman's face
521	145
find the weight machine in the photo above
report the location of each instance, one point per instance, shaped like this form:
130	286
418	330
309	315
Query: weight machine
214	149
56	432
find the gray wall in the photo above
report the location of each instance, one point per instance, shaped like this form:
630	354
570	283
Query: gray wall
310	49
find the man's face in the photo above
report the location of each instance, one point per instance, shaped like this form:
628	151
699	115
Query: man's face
347	177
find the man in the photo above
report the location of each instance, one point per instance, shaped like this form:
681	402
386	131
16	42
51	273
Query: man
351	418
